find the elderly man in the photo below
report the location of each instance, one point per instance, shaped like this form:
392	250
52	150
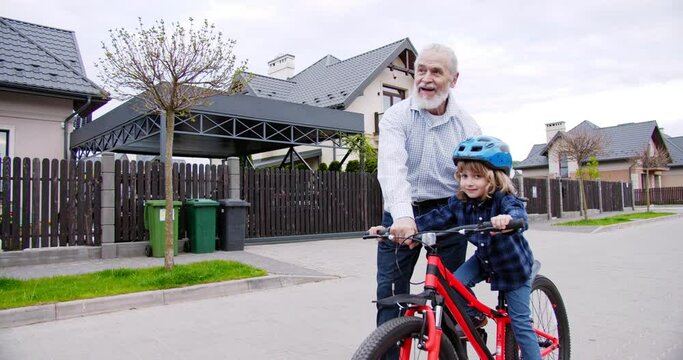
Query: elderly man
416	139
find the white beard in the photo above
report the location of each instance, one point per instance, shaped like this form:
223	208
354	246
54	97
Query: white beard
429	104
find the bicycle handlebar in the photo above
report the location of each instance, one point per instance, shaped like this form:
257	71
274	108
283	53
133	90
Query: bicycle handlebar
514	224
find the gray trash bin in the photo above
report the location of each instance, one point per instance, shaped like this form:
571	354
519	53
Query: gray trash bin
232	219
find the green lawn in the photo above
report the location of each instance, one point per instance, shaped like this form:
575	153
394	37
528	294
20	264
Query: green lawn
17	293
615	219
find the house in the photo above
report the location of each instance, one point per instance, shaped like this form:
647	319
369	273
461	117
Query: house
674	177
44	91
368	83
623	143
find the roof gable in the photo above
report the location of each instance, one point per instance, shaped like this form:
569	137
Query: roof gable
42	58
330	82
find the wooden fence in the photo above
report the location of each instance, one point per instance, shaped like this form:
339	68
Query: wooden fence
300	202
660	196
564	195
137	181
49	203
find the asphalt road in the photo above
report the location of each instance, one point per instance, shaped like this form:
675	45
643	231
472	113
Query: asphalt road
622	289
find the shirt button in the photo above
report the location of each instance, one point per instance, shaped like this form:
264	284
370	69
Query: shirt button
482	244
480	218
486	261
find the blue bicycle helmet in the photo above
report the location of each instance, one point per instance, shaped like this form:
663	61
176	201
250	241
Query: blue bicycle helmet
487	149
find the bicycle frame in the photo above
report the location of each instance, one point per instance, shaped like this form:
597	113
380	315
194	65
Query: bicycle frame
440	281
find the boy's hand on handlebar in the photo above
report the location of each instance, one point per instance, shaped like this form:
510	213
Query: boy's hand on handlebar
501	222
401	229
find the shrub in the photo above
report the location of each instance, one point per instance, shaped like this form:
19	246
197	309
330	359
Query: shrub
322	167
335	166
371	165
353	166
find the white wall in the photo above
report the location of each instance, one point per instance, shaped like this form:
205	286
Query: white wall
35	124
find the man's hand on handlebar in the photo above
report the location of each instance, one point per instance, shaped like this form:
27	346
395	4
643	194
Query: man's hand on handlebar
401	229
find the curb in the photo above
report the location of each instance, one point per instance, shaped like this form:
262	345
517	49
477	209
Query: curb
77	308
634	223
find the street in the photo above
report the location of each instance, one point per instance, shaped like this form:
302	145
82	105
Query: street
622	289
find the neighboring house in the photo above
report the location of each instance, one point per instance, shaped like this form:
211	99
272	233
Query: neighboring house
368	83
674	177
43	90
623	143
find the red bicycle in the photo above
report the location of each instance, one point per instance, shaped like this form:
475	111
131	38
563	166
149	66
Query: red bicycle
428	328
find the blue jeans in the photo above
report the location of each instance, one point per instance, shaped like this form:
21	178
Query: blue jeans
470	273
392	280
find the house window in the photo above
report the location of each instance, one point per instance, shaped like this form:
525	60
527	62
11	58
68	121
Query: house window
4	142
392	96
564	166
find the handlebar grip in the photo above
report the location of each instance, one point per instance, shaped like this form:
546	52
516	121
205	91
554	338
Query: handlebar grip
515	224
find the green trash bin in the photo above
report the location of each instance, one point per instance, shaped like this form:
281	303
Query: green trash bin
201	225
155	222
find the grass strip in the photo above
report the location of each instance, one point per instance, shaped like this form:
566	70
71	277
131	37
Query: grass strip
615	219
18	293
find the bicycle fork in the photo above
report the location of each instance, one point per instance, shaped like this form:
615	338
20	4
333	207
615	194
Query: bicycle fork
431	330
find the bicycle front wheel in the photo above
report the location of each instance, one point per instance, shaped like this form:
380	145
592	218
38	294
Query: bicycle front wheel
386	340
550	316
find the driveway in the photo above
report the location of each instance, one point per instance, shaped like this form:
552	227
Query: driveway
622	289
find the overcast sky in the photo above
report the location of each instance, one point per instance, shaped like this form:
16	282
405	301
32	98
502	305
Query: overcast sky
522	63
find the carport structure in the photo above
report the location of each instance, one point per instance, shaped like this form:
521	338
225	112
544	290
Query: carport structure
236	125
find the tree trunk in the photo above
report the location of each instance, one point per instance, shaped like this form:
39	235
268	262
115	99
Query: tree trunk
168	190
584	203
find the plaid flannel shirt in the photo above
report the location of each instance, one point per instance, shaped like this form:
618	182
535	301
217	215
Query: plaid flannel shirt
506	258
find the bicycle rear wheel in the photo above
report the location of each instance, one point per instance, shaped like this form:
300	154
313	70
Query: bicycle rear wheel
550	316
396	332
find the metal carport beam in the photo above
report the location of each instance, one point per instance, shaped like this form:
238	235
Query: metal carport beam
228	126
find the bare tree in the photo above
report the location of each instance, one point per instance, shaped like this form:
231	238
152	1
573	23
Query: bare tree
170	70
580	146
650	161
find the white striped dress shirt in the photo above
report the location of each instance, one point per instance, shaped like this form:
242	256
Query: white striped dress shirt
415	149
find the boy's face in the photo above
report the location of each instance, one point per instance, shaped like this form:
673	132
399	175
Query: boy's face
474	185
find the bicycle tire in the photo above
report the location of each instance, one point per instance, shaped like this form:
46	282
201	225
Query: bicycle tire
549	315
384	339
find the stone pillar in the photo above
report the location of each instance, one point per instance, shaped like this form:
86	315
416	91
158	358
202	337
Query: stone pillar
107	210
234	176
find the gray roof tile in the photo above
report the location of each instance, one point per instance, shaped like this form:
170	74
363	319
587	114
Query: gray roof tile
330	82
534	159
41	57
675	146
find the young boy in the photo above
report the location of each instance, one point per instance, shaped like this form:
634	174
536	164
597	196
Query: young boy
486	193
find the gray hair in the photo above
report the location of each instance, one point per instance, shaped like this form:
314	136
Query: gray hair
441	49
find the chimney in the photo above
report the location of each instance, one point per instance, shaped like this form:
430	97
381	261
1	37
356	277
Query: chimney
552	128
282	67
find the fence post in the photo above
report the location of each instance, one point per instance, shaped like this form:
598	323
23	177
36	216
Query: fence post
107	210
633	197
621	187
559	188
521	186
600	195
548	195
234	176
